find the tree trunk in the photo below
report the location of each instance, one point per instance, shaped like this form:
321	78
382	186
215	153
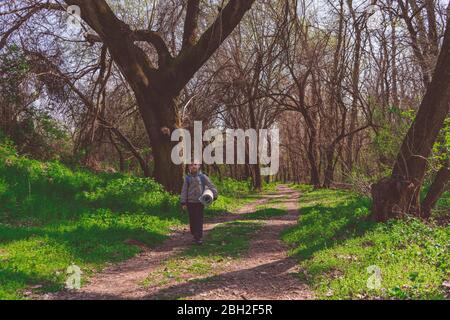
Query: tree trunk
127	144
119	153
356	73
314	171
398	194
160	123
218	171
329	168
257	181
438	187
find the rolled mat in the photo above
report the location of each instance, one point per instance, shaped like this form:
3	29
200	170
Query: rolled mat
207	197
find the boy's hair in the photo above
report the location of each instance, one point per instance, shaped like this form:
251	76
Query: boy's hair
188	167
194	164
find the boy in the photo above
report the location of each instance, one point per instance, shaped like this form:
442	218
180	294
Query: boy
194	185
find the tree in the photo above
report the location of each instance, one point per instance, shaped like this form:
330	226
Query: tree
155	84
399	193
157	89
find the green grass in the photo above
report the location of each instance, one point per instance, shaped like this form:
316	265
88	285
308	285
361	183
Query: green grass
327	217
224	243
335	245
233	195
228	204
52	216
305	188
272	209
265	213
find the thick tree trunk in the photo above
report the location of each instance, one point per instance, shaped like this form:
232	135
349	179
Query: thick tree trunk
314	173
398	194
160	122
438	187
257	181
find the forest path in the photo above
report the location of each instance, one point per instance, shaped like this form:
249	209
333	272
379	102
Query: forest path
265	271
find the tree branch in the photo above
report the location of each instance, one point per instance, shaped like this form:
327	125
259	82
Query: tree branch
191	59
191	23
32	10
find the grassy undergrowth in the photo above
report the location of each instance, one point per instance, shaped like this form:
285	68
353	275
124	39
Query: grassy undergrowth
52	216
272	209
336	245
233	194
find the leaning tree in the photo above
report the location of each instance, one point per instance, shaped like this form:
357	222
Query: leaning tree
399	194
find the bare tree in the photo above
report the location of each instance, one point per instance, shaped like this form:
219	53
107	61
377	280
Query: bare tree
399	194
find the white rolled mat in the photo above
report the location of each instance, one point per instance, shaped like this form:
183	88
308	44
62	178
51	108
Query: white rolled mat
207	197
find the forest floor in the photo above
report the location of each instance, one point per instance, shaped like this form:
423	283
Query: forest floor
242	258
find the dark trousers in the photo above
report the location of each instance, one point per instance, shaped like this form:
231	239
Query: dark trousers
195	211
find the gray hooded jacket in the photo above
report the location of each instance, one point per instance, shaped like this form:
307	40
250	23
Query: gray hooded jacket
192	188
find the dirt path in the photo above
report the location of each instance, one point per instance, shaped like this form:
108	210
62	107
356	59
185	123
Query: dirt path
265	272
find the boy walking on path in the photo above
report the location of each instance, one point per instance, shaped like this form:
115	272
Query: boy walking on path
193	188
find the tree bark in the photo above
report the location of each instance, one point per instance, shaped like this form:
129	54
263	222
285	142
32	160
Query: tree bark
329	167
311	153
438	187
119	153
399	194
356	72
